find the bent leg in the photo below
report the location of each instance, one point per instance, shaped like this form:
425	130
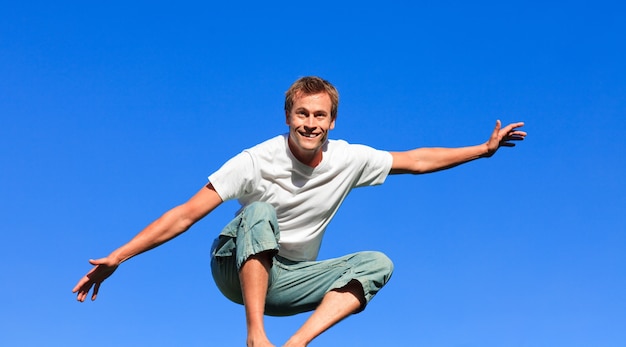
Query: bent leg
254	277
242	258
299	287
335	306
334	288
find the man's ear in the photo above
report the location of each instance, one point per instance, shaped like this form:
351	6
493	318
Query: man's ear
287	117
332	123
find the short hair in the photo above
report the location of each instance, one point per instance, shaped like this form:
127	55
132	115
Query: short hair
309	85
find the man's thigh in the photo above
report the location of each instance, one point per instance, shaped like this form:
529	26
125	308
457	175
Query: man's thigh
297	287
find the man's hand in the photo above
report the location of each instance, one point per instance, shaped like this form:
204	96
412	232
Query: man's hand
503	137
103	268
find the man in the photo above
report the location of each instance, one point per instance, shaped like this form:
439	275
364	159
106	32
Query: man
290	188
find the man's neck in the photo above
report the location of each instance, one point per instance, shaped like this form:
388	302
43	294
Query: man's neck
311	159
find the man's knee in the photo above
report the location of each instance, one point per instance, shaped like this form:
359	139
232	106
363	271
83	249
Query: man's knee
386	263
257	232
378	262
260	210
259	217
374	271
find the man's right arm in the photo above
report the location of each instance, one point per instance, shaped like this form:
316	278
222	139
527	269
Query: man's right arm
171	224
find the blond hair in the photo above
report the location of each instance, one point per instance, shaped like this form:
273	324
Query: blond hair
309	85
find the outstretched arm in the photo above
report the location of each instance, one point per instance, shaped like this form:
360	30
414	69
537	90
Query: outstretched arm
171	224
425	160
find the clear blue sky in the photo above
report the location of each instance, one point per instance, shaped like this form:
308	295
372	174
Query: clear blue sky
113	112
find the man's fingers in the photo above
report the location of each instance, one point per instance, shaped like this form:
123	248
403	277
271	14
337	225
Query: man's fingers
515	136
512	127
95	291
96	261
78	285
81	296
82	288
94	278
496	129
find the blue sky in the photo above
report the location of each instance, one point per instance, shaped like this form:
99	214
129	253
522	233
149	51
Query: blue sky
113	112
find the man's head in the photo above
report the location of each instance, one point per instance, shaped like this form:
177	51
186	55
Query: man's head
310	112
310	85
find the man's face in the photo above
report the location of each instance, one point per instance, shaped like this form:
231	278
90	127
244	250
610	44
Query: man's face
309	122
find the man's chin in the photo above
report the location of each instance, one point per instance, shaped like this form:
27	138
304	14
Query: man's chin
308	144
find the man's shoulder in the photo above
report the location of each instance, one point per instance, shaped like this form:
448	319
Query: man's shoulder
269	149
339	144
277	141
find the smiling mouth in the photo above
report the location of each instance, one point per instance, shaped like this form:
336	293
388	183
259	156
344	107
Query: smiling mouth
308	135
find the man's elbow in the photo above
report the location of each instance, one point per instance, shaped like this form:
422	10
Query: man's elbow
406	163
412	170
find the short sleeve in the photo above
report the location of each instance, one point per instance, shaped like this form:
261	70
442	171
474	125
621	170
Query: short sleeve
235	178
376	165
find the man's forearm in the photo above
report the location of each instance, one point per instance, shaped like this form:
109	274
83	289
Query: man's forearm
431	159
165	228
171	224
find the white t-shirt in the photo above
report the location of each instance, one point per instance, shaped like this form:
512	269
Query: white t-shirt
305	198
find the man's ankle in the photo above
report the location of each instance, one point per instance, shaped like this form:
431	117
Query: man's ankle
258	339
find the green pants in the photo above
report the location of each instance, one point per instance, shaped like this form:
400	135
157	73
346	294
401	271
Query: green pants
294	286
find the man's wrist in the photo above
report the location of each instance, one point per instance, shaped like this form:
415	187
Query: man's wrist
484	151
117	257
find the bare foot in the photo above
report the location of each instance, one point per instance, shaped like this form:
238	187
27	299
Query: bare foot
259	342
293	343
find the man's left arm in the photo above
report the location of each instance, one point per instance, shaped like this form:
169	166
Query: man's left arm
431	159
